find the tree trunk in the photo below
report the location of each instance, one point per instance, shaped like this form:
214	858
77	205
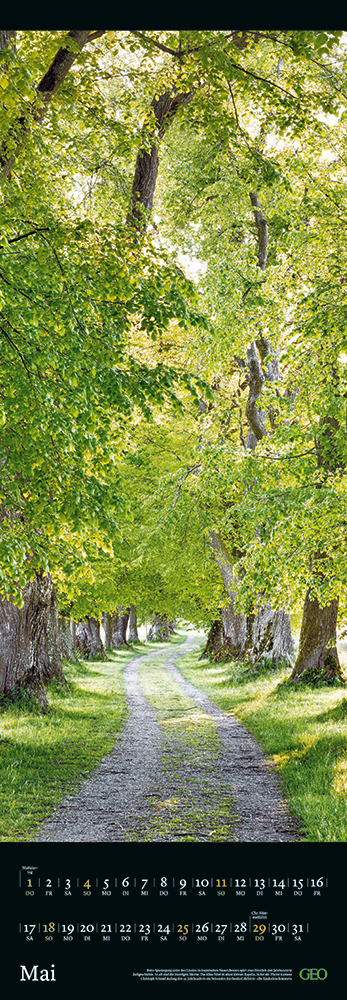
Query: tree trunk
143	188
271	637
119	627
8	39
316	660
214	640
234	636
226	639
18	666
89	640
106	622
73	634
257	637
264	634
162	629
66	639
47	630
162	111
132	625
29	640
317	657
232	639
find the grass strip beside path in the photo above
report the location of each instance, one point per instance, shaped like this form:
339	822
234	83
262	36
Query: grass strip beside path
302	729
44	756
194	802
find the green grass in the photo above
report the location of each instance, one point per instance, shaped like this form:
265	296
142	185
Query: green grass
302	729
44	756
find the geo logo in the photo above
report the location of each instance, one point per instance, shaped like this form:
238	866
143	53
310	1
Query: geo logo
313	973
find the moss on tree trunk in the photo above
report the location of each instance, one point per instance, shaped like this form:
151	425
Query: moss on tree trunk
214	638
317	657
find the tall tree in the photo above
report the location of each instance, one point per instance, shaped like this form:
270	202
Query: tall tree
65	326
78	338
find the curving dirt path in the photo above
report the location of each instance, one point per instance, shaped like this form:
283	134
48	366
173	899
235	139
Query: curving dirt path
149	775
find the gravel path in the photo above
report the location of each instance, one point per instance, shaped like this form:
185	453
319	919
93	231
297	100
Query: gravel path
145	773
262	813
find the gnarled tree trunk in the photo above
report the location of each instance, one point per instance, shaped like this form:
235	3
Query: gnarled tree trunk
214	640
46	631
106	621
119	627
265	634
226	639
29	640
66	638
88	639
257	637
234	636
163	628
232	640
271	637
317	659
318	639
133	635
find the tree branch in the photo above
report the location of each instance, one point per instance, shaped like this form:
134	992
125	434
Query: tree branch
262	231
96	34
164	109
158	45
24	236
264	79
234	105
47	88
254	415
15	348
240	39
